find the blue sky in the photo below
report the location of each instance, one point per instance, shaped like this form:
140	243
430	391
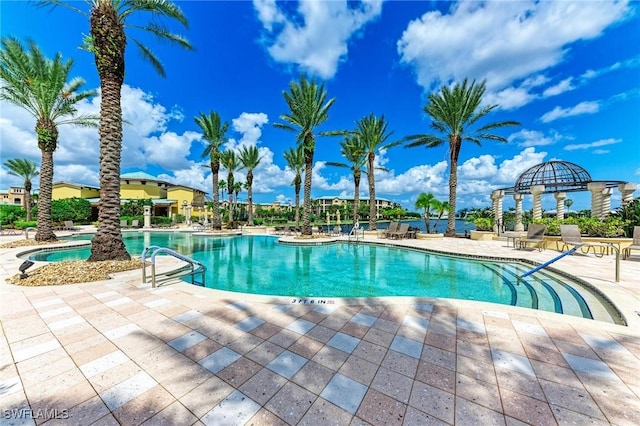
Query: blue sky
568	71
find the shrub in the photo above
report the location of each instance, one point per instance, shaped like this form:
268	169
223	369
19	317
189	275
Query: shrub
611	226
9	214
483	224
24	224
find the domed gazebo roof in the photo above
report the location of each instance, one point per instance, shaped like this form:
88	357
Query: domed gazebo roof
556	176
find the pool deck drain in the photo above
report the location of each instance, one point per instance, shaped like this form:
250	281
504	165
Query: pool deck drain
118	351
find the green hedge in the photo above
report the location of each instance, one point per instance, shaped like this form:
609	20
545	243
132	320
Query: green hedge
611	226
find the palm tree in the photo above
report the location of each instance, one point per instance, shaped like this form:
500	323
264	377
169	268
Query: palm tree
309	109
454	112
441	207
295	161
222	185
427	202
237	189
27	170
229	161
250	158
214	132
373	135
108	20
51	100
352	149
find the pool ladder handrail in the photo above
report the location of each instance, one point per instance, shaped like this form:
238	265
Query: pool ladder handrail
355	230
571	251
155	250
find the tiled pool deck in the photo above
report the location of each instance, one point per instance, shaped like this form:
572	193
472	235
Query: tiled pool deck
119	352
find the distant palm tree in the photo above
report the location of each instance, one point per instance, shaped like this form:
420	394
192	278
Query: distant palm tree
373	135
230	162
441	208
352	149
454	111
51	100
309	109
108	20
222	185
427	202
237	189
27	170
214	132
295	161
250	158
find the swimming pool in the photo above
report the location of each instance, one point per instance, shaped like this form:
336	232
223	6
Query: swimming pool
261	265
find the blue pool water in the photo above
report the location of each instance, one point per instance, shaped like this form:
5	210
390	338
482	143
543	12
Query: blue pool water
261	265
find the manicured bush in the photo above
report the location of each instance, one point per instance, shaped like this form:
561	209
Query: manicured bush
24	224
611	226
11	213
483	224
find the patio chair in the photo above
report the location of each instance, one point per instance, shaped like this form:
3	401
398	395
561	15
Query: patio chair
402	231
635	245
570	236
135	223
393	227
535	236
4	231
320	230
124	223
336	231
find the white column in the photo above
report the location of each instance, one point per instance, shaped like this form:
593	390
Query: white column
560	197
606	203
147	217
627	190
596	189
537	191
518	199
497	197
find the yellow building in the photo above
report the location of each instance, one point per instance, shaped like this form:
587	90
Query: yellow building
168	198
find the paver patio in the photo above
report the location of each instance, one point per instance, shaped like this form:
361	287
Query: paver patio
120	352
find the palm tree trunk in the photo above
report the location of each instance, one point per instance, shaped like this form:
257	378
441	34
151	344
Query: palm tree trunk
27	199
44	230
297	190
250	197
108	244
372	194
455	143
215	171
356	196
306	213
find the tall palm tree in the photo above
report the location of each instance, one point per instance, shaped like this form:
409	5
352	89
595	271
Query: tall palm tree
237	189
309	109
108	20
295	160
427	202
229	160
352	149
373	135
250	158
51	100
214	132
222	185
27	170
454	112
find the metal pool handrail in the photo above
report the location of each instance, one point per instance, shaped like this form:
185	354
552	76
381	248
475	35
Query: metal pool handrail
155	250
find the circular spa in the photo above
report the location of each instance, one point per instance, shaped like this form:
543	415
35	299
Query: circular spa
262	265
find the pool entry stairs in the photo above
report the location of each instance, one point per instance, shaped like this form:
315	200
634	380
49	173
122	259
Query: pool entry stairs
542	291
190	268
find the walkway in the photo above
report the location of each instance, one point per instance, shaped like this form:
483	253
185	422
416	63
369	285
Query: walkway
119	352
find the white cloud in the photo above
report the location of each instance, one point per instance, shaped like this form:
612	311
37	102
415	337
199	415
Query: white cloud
526	138
564	86
302	39
501	41
169	150
586	107
601	142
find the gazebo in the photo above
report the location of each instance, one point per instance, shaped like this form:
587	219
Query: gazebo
558	178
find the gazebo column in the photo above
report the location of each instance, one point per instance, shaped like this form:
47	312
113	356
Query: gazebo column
606	203
496	197
596	189
537	191
627	190
518	199
560	197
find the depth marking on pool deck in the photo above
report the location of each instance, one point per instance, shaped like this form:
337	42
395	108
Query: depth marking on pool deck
314	301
